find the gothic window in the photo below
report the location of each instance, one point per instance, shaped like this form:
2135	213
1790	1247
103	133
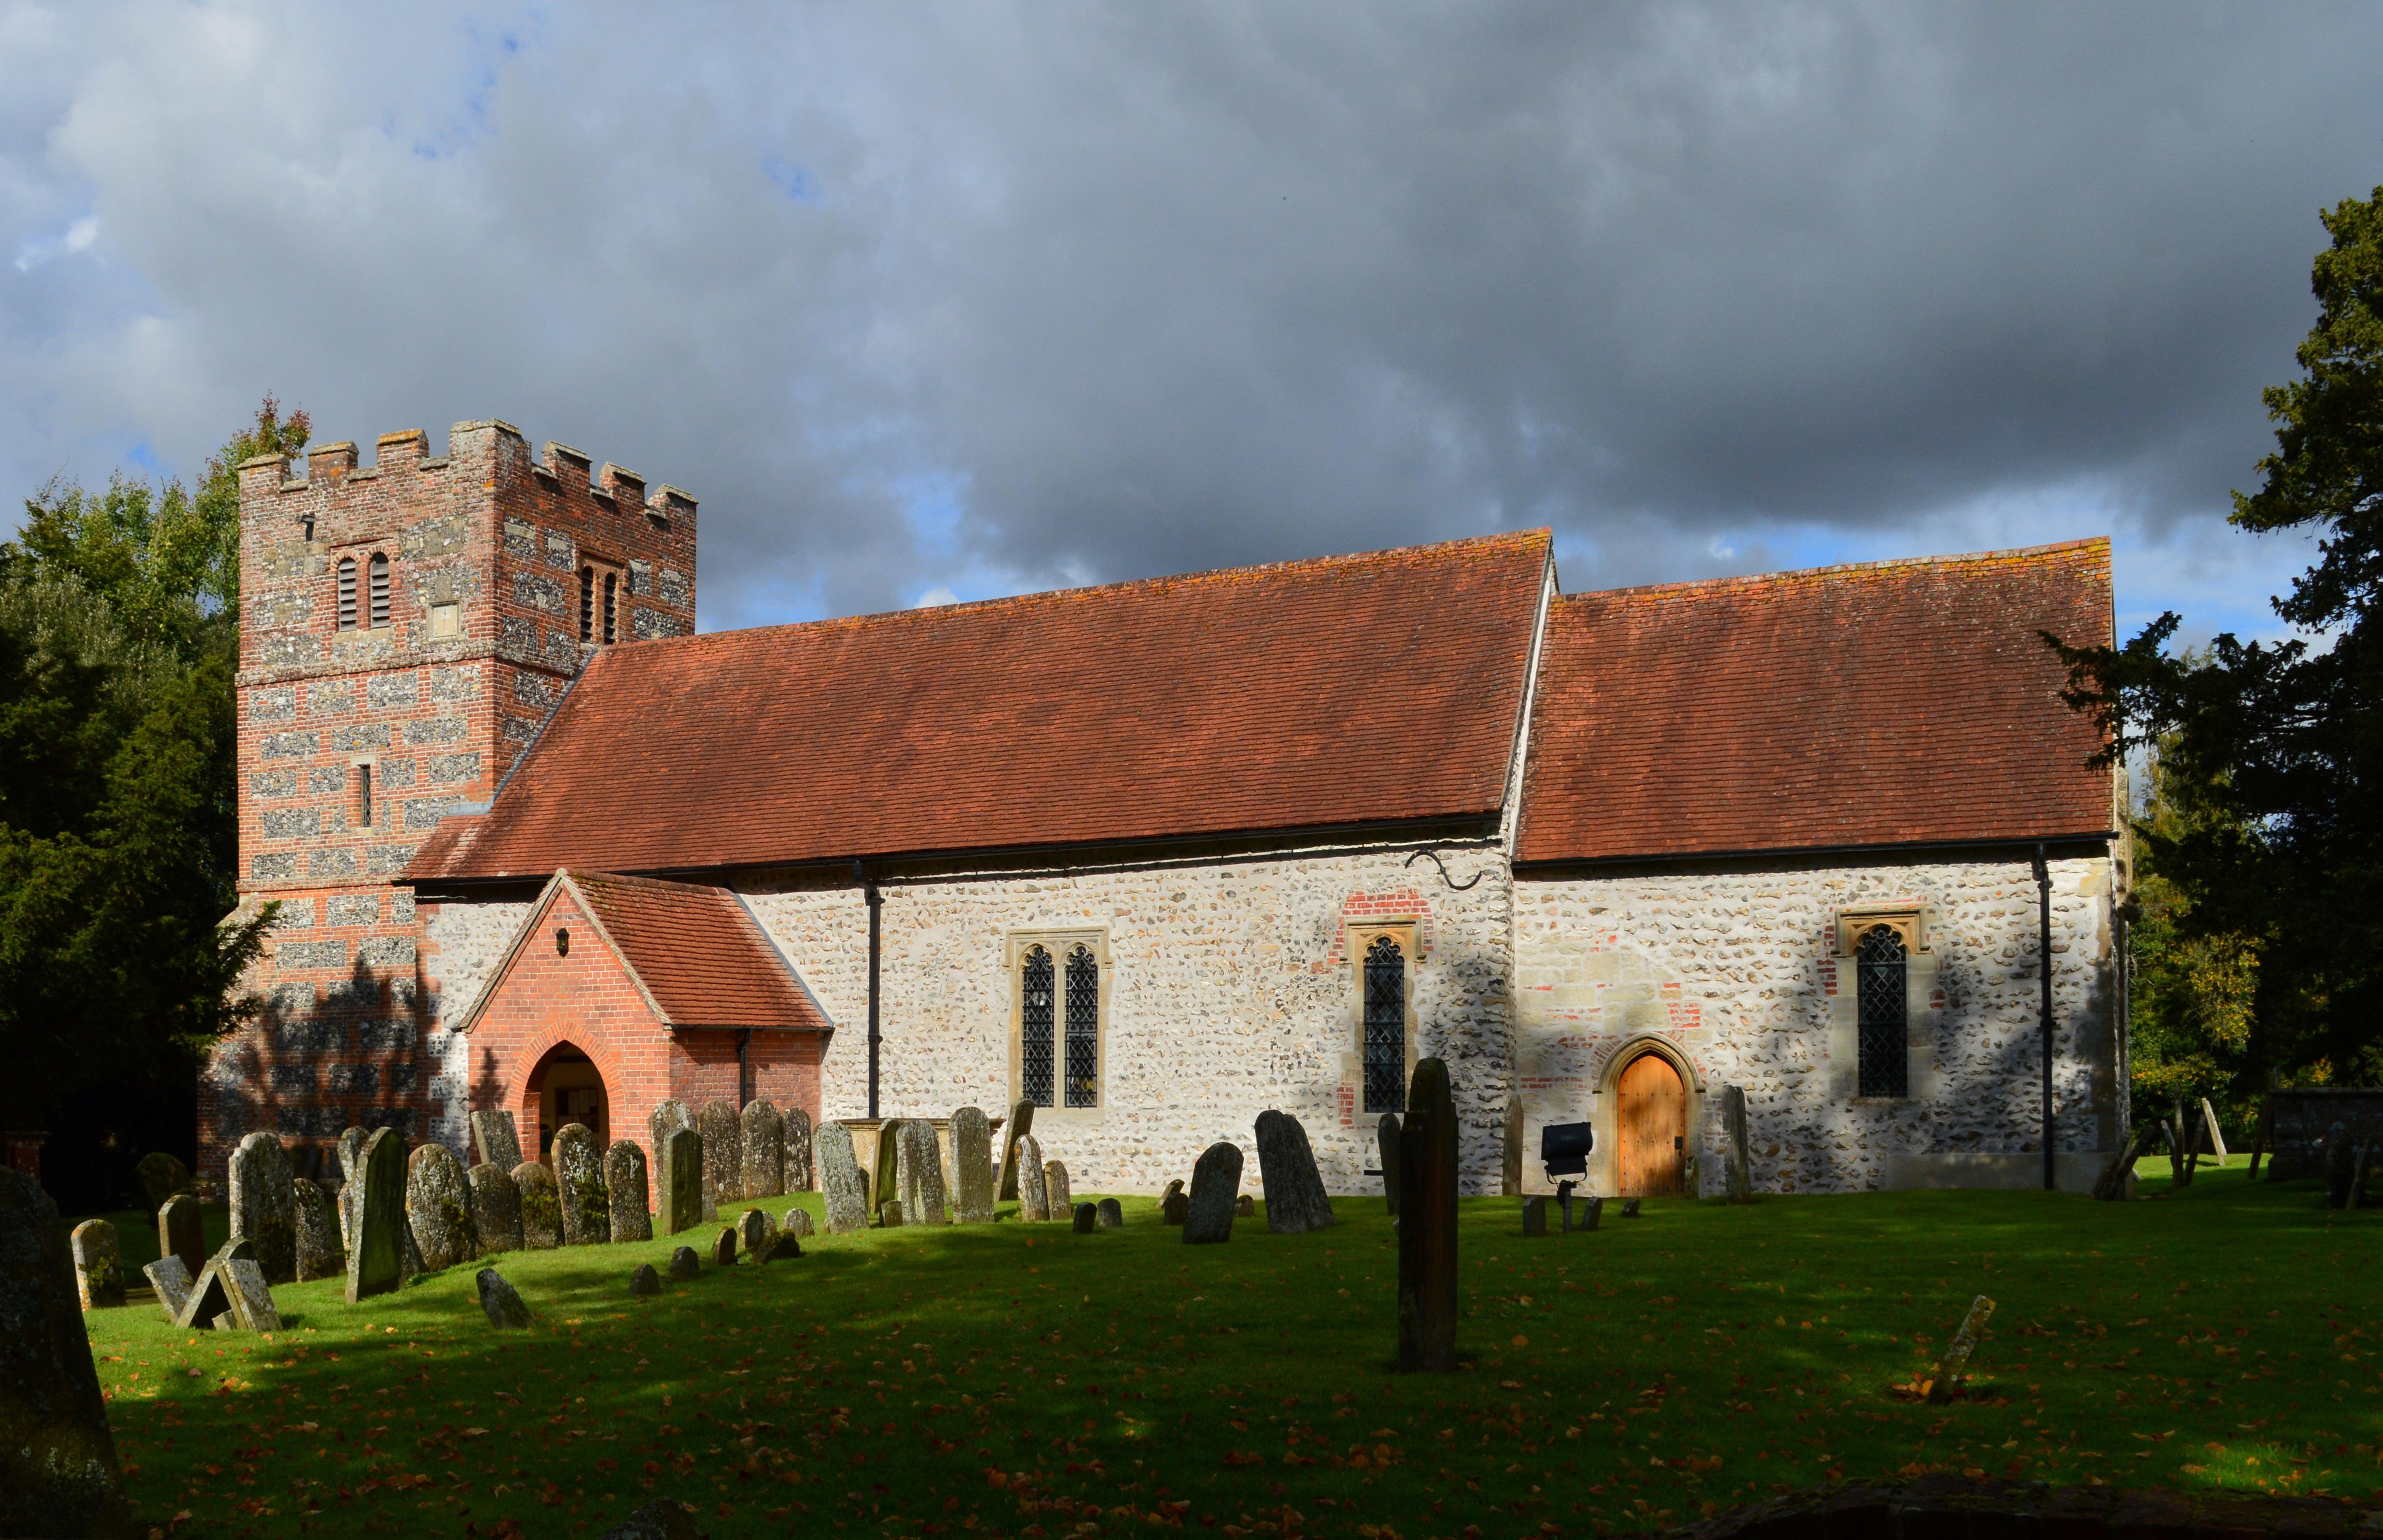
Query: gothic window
1036	1019
1386	1027
347	593
379	582
1883	1013
1084	1027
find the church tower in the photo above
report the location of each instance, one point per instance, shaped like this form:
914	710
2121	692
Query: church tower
406	628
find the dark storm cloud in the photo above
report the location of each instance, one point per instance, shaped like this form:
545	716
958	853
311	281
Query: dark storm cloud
984	297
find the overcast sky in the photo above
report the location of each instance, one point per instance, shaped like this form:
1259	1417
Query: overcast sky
927	302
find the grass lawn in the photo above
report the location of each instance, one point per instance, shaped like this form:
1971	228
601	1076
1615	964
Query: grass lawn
1020	1380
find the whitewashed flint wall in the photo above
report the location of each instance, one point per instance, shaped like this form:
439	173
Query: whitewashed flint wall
1231	993
1733	968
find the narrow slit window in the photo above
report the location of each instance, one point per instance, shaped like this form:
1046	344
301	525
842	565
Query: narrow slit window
1386	1027
611	584
1884	1014
1037	1019
347	593
1084	1027
364	796
379	578
587	604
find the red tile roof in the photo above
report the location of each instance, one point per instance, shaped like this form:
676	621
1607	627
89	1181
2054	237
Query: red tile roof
1350	689
1894	702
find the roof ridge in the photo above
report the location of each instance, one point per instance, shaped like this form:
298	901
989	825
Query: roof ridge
1842	569
582	874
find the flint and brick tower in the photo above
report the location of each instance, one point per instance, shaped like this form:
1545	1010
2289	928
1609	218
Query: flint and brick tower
406	628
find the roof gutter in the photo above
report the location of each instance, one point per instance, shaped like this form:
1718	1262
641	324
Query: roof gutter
2024	845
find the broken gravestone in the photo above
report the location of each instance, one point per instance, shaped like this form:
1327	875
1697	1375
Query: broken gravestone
723	1246
723	1155
579	1181
1112	1218
496	1207
208	1296
500	1300
797	1145
679	1184
973	1177
250	1297
181	1233
1216	1182
780	1247
762	1133
1427	1279
259	1205
58	1471
1246	1207
172	1282
541	1207
1055	1196
624	1190
377	1207
496	1139
439	1207
665	1117
1172	1204
1630	1208
317	1230
1033	1186
1021	1123
98	1264
919	1174
1294	1188
840	1180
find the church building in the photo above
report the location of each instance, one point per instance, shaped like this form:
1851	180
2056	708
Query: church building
1159	855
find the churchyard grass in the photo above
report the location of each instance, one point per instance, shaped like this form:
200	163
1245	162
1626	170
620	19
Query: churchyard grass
1008	1380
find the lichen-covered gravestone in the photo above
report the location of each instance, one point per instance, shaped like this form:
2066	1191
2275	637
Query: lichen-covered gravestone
1428	1224
172	1282
58	1472
1087	1215
250	1297
724	1248
723	1155
541	1207
208	1297
1216	1182
376	1241
439	1208
762	1134
319	1251
680	1185
496	1207
259	1205
1033	1189
780	1247
1061	1202
665	1117
182	1232
98	1264
624	1186
756	1229
1172	1204
1294	1189
496	1139
919	1176
162	1176
1109	1215
885	1165
1021	1124
351	1146
586	1207
840	1181
973	1177
797	1146
797	1222
500	1301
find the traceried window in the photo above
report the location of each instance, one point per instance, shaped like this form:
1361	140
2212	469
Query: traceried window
1036	1020
347	593
378	570
1883	1013
1084	1029
1386	1027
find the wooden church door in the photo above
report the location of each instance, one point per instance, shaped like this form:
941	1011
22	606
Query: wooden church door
1653	1128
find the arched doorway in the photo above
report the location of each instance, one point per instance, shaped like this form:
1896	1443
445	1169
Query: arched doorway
567	1087
1651	1128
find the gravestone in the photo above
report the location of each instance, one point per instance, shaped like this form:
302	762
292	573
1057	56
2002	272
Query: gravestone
1294	1188
839	1180
1630	1208
943	1159
1590	1213
624	1190
98	1264
680	1185
351	1149
645	1281
579	1178
1034	1185
319	1253
58	1472
780	1247
210	1295
763	1133
250	1295
1739	1172
541	1207
1216	1182
798	1147
414	1268
2340	1167
439	1208
723	1156
1112	1218
496	1207
755	1230
663	1519
1246	1207
259	1205
2216	1135
797	1222
685	1265
501	1302
918	1174
181	1233
1956	1361
496	1139
1172	1204
1055	1196
377	1243
724	1248
1087	1216
974	1181
1021	1124
665	1117
162	1176
1385	1137
885	1165
1428	1280
889	1214
172	1282
1535	1216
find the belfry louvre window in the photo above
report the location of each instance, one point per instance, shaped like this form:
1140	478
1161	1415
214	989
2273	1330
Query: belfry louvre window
587	604
1883	1013
347	593
597	620
378	569
1084	1027
1036	1021
1386	1027
612	589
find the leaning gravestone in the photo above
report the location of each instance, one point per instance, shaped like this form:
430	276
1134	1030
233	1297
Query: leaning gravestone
755	1230
1216	1182
797	1222
439	1207
172	1282
250	1297
885	1165
209	1295
586	1207
1385	1135
1061	1202
724	1248
376	1242
1087	1216
162	1176
973	1177
918	1174
259	1205
496	1207
1591	1212
723	1155
1427	1281
680	1184
1111	1217
1630	1208
763	1134
1294	1190
625	1189
181	1233
98	1264
645	1281
798	1143
541	1207
1021	1124
839	1180
1172	1204
685	1265
499	1142
1033	1186
500	1301
317	1231
58	1472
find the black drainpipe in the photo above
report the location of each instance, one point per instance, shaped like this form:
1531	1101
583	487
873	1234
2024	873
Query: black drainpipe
876	902
2044	959
744	1068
